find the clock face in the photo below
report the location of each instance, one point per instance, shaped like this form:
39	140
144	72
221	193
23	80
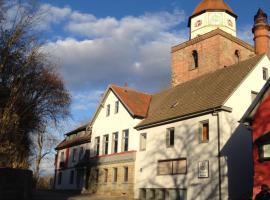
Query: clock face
215	18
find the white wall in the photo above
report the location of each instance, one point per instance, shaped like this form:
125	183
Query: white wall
207	26
115	122
187	145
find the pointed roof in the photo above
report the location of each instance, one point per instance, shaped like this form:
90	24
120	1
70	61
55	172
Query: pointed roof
202	95
136	102
212	5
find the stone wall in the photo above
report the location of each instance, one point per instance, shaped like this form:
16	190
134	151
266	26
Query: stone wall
15	184
109	187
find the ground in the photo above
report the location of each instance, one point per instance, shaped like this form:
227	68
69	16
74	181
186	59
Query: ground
67	195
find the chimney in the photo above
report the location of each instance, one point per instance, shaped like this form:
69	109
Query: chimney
261	32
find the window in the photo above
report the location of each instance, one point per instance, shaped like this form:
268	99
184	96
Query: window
125	174
115	142
62	157
265	73
195	59
237	56
175	166
71	177
74	154
105	175
204	131
114	175
59	178
264	152
81	153
105	144
170	137
253	95
108	110
143	137
125	140
97	143
116	107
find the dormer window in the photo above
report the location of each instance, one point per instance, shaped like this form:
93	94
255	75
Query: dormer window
195	59
237	56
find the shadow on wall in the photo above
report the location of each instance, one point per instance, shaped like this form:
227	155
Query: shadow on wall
187	138
238	151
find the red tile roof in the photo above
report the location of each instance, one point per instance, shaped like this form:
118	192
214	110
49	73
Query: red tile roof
137	103
211	5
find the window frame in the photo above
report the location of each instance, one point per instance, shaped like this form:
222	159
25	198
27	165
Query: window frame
81	151
143	135
74	154
115	140
108	110
195	56
106	175
265	73
59	178
125	175
97	146
171	161
105	144
201	131
170	137
116	107
125	140
115	175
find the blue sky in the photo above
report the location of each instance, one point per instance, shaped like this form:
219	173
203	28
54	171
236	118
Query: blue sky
98	42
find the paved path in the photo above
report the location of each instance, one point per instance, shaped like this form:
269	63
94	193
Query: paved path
67	195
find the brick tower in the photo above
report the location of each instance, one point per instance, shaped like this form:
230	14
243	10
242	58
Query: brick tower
213	43
261	33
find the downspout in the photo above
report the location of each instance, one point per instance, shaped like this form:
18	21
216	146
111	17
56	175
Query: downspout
215	113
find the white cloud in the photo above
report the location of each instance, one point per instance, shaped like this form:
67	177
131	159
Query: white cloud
135	50
245	33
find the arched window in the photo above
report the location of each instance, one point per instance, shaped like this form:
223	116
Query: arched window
237	56
195	58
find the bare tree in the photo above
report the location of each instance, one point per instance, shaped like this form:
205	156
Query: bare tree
37	95
43	146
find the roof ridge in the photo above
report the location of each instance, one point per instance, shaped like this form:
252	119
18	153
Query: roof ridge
131	89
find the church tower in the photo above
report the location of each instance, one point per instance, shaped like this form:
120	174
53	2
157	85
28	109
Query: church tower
212	45
210	15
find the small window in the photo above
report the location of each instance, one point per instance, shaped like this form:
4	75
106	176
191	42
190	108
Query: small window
125	140
62	157
71	178
115	142
253	95
108	110
59	178
170	137
125	174
237	56
105	144
81	153
204	131
114	175
195	59
175	166
105	175
143	138
264	152
74	155
265	73
97	144
116	107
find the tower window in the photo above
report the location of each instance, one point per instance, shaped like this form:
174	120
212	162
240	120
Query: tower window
237	56
195	59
